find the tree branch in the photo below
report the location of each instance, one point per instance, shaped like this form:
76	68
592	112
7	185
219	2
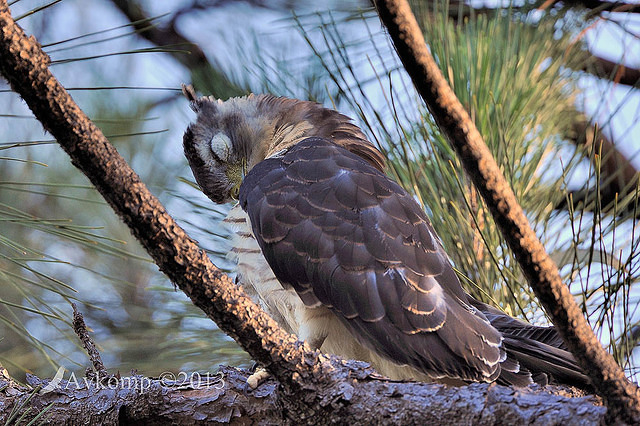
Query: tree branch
25	66
223	398
621	396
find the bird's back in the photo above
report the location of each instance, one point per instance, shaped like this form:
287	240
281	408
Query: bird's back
355	245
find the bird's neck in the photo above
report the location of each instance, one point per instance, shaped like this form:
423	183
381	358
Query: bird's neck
287	136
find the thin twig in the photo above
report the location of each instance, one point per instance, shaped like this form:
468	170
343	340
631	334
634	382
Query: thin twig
80	328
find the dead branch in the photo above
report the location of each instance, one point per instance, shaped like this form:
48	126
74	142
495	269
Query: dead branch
81	331
25	66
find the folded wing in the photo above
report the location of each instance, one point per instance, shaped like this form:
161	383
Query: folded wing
344	235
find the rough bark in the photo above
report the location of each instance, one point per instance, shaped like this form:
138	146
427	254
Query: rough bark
224	398
621	396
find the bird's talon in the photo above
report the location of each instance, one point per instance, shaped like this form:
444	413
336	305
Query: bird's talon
257	378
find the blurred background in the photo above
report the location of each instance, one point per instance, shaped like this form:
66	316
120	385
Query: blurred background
553	87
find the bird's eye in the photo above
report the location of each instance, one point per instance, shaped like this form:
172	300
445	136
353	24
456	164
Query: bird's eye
221	147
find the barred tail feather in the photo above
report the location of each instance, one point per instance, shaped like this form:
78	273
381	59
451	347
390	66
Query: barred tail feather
545	362
539	351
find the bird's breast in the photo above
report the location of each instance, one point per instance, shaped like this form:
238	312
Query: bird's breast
257	278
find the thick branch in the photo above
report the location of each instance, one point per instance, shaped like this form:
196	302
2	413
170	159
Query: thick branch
216	398
223	398
622	397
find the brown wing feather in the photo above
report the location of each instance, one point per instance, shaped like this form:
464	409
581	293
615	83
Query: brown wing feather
346	236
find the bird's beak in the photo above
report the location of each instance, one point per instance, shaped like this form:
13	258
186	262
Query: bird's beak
243	168
235	192
236	175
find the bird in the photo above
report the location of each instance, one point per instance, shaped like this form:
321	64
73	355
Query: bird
341	255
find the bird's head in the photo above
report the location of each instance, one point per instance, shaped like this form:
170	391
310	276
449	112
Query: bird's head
229	138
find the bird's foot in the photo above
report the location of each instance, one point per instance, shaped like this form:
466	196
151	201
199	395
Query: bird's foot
258	376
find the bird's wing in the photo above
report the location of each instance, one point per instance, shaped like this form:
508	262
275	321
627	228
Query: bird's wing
539	350
346	236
